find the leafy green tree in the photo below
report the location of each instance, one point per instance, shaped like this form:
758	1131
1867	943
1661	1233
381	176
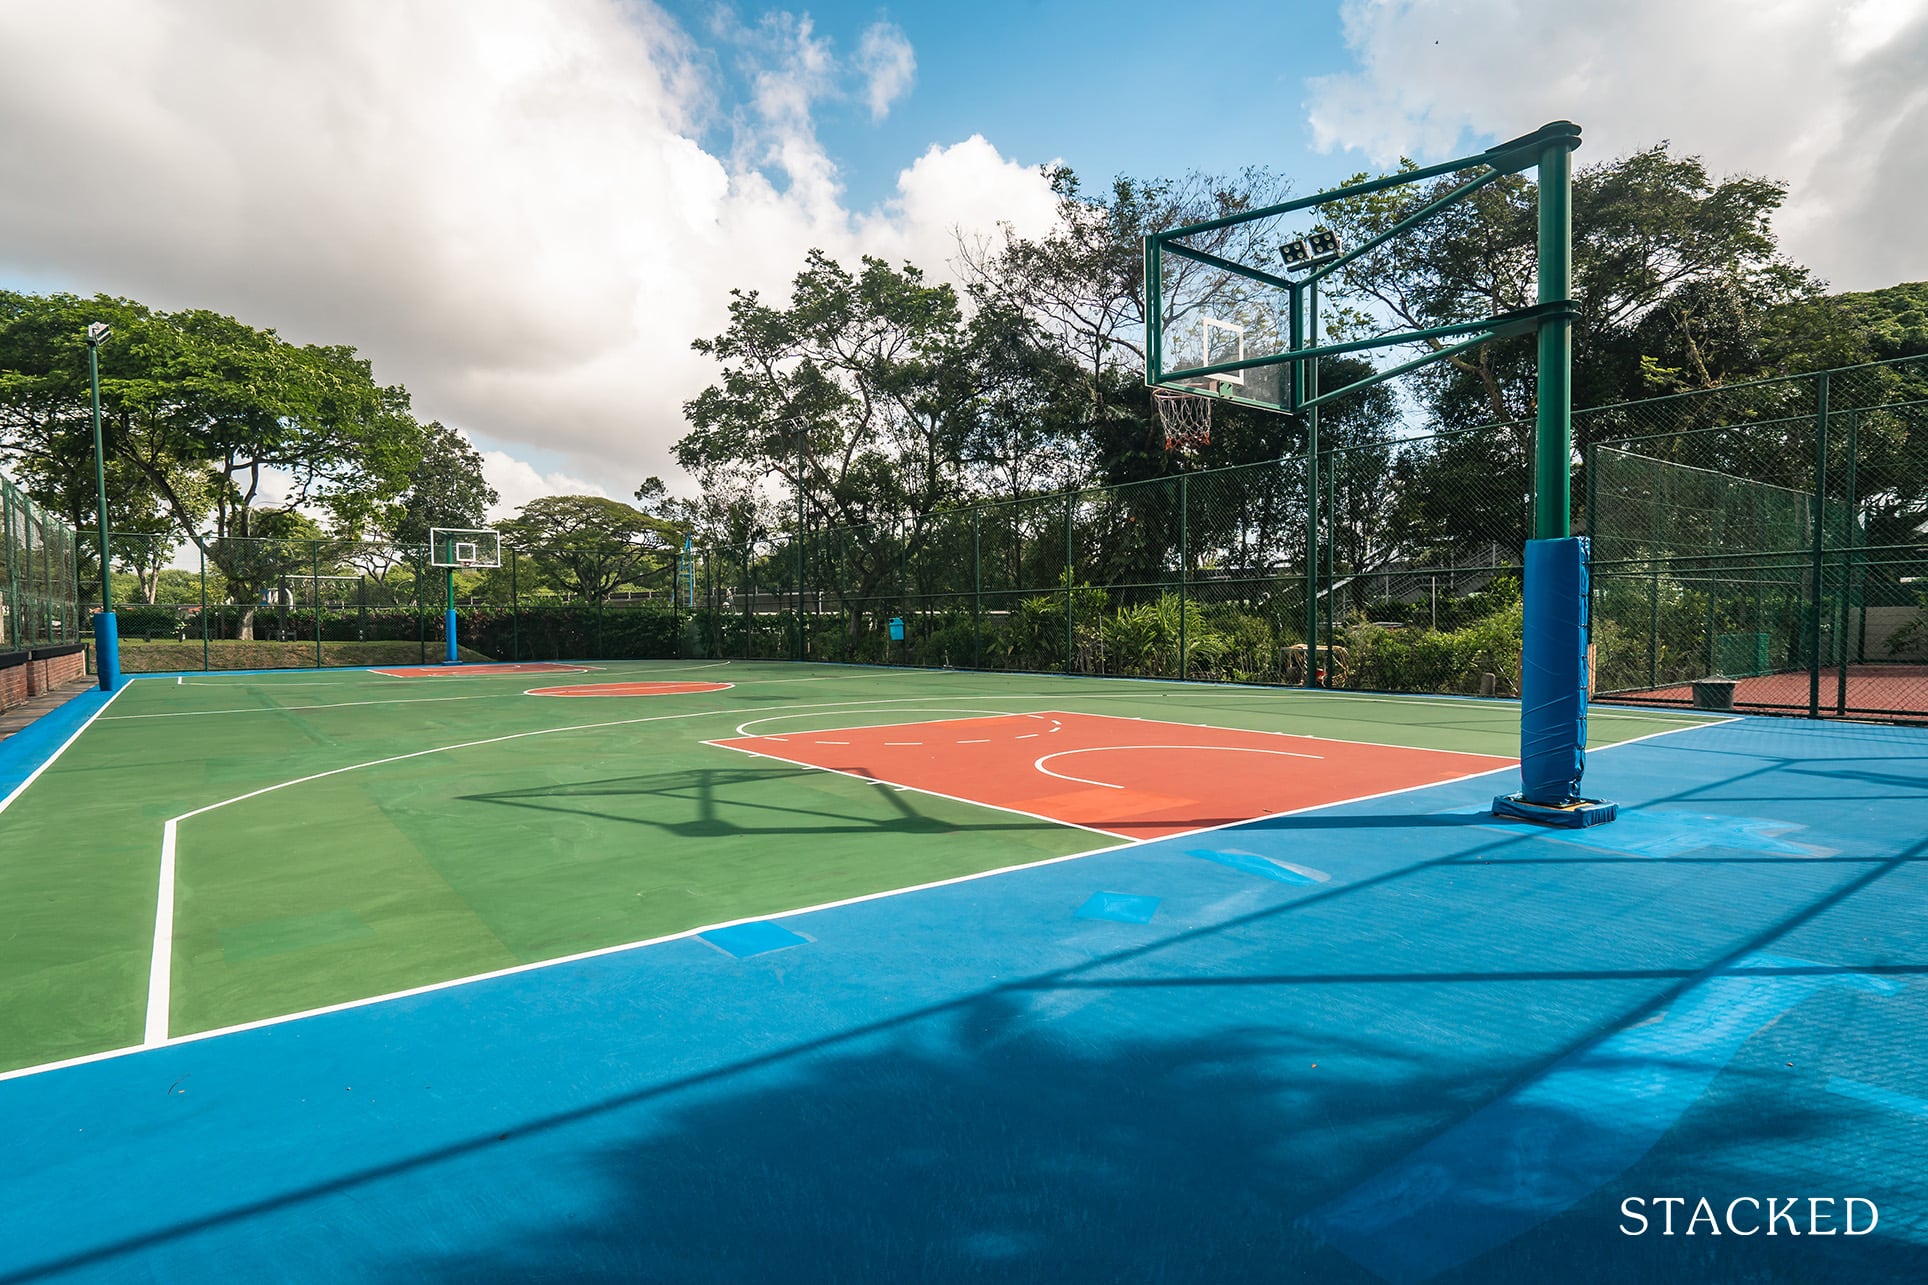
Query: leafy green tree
1082	284
1675	273
445	489
857	392
205	410
590	547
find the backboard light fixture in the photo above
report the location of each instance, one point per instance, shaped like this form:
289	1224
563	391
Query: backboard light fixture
1317	246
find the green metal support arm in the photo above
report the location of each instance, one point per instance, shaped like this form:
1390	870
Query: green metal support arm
1518	322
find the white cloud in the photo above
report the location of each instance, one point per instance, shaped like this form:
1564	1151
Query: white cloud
500	202
517	482
1825	94
888	64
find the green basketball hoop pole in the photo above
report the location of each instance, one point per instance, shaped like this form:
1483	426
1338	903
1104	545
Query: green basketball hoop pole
1553	421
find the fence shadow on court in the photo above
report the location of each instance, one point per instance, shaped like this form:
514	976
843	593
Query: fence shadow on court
712	803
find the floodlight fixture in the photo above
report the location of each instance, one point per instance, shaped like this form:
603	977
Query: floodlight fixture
1321	245
97	332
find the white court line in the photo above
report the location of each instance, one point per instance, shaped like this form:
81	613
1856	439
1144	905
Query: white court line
34	775
281	709
1300	736
431	987
742	729
431	673
1102	749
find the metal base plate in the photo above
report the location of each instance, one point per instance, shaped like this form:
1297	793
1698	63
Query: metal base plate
1571	814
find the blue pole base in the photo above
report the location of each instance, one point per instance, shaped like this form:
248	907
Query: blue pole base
448	632
1567	814
107	650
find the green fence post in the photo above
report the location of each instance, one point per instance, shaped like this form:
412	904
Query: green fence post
1847	566
515	611
1184	577
1653	624
1712	588
314	595
1820	544
204	607
1069	649
13	613
977	589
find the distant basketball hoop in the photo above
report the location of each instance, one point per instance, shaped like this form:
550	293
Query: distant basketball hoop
1186	417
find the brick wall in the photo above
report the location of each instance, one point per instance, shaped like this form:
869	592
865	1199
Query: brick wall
24	675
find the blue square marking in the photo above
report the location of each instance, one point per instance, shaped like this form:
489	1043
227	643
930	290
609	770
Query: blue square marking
758	938
1119	907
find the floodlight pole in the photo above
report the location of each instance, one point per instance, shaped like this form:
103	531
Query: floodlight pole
106	628
1304	389
800	642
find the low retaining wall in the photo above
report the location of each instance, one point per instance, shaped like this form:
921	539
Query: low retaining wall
26	674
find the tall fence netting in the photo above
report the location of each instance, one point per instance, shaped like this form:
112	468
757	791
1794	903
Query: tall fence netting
39	582
1772	536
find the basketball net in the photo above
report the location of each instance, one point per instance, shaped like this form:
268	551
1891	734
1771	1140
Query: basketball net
1187	418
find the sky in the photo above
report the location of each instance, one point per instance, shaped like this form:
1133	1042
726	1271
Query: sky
525	210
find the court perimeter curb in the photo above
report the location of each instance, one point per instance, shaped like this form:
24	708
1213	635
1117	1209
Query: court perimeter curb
30	748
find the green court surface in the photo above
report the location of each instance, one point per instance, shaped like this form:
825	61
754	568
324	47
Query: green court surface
332	836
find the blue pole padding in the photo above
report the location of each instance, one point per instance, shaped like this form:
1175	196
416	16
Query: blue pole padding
107	650
1553	673
449	631
1553	689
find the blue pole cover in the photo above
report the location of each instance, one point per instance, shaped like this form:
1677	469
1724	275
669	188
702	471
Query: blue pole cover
107	650
449	633
1553	670
1553	689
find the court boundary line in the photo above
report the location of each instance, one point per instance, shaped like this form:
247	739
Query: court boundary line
49	761
282	709
601	690
432	672
872	727
105	1055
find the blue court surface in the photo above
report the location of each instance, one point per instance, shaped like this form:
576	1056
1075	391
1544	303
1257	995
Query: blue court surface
1388	1040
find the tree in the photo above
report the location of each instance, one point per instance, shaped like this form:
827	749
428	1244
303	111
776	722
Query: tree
857	393
445	489
588	547
1081	289
203	409
1674	273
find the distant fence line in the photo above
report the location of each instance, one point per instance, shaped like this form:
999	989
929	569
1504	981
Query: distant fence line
1768	530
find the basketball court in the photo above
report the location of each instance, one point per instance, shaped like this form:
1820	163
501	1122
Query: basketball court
900	972
706	970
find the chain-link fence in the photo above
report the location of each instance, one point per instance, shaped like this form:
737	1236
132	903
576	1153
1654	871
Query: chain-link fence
39	590
224	604
1766	545
1766	540
1408	580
